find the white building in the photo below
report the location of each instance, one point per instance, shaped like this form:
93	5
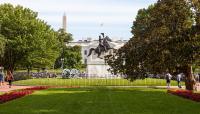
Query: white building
96	67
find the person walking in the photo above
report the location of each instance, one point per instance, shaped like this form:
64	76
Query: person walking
1	76
168	79
199	77
178	78
9	78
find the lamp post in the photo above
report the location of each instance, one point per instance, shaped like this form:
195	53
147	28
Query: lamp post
62	63
123	63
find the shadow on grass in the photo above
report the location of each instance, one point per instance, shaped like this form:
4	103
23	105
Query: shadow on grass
100	101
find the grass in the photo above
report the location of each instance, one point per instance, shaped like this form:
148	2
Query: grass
94	82
1	93
101	101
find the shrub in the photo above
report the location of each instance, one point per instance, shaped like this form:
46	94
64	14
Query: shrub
19	93
21	76
185	94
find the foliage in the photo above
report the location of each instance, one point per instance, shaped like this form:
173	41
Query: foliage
21	76
2	46
72	58
165	39
19	93
186	94
63	37
30	42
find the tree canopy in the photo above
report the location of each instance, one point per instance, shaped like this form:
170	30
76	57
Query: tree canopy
165	39
71	58
28	41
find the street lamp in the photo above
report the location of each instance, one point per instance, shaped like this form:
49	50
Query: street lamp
124	59
123	63
62	63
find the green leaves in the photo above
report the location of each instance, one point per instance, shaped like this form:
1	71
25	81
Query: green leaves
2	45
165	37
72	58
30	42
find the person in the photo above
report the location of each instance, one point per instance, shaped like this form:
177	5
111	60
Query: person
168	79
179	76
1	76
199	77
9	78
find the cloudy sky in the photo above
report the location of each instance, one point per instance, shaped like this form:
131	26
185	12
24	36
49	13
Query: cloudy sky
84	17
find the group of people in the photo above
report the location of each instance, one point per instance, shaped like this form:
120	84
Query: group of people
168	77
179	76
9	77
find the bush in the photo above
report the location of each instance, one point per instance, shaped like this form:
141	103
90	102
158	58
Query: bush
19	93
21	76
185	94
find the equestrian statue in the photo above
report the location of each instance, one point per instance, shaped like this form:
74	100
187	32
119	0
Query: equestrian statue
102	47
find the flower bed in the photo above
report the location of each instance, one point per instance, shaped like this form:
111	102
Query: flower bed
19	93
185	94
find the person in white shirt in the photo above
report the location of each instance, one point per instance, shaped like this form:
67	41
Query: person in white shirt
168	79
178	78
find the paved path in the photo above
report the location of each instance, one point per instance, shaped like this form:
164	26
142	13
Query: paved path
5	87
156	87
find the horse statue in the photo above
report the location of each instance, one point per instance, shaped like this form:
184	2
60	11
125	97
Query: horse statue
102	47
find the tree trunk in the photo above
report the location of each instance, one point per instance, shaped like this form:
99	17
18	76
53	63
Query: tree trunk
28	71
189	78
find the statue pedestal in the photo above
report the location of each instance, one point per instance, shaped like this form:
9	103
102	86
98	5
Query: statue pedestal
96	68
98	71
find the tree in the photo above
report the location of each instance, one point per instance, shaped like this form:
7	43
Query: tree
2	46
29	41
71	55
72	58
63	38
165	39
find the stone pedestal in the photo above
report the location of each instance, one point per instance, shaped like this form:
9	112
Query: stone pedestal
97	68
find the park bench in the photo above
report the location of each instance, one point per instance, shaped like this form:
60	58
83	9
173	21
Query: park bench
197	86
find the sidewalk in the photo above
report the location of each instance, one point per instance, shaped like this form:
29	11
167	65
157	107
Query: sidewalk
155	87
5	87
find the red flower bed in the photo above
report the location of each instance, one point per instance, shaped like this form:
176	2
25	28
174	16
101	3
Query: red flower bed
19	93
37	88
185	94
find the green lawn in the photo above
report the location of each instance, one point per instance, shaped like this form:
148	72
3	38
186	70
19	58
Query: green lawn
101	101
94	82
1	93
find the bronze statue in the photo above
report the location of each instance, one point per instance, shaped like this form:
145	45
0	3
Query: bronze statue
102	47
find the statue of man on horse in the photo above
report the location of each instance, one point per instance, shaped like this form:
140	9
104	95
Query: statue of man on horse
103	46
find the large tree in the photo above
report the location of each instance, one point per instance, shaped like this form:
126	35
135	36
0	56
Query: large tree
29	40
71	58
166	39
2	46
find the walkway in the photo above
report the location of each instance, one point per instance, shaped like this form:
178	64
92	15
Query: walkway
5	87
156	87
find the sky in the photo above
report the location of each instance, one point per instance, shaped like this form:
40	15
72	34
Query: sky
88	18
